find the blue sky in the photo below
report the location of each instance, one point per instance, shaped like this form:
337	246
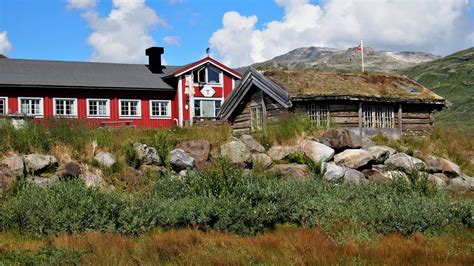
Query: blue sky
256	31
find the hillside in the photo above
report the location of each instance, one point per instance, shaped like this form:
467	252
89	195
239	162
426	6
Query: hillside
453	78
322	57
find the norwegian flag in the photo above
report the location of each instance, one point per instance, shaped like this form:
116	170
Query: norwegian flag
359	48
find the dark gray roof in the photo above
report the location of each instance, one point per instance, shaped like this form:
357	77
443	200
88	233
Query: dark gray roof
19	72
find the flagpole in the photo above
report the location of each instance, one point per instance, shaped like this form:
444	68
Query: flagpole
362	50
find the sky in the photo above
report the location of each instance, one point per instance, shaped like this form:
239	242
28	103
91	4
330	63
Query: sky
238	32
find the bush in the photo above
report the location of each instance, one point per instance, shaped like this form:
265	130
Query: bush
131	156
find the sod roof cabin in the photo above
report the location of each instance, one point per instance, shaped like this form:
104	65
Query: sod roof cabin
364	103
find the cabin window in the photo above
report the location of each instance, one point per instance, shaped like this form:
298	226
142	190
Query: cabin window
130	108
160	109
31	106
206	108
65	107
318	114
376	116
98	108
3	106
256	118
208	75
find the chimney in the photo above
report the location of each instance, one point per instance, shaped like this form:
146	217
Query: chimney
154	59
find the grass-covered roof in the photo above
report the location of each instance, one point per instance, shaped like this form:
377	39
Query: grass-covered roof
314	82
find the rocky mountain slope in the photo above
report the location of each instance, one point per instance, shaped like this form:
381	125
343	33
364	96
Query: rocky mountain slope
322	57
453	78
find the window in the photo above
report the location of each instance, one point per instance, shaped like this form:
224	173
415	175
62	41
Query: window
98	108
130	108
3	105
256	118
31	106
375	116
318	114
160	108
206	108
208	74
65	107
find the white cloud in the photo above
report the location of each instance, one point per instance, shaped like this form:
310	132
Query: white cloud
124	34
172	40
174	2
5	45
437	26
81	4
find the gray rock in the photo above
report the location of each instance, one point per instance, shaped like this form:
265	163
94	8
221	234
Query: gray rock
106	159
42	182
237	152
7	178
153	169
180	160
438	180
375	175
440	165
367	143
262	160
340	139
381	153
291	171
68	170
280	152
395	174
333	172
147	155
353	158
93	180
199	149
405	163
460	184
38	163
354	177
15	164
316	151
252	144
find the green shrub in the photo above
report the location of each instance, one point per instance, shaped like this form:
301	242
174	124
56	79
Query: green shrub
131	156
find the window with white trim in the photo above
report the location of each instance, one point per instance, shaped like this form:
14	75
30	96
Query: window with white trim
31	106
256	117
98	107
378	116
318	114
65	107
207	74
160	108
206	108
3	105
130	108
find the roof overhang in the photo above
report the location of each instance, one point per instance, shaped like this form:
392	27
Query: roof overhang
207	60
366	99
85	87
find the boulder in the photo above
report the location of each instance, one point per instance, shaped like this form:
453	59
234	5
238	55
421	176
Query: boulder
316	151
439	180
183	173
280	152
367	143
106	159
404	162
262	160
180	160
93	180
353	158
375	175
42	182
289	171
252	144
68	170
203	165
7	177
460	184
38	163
354	177
15	164
394	174
146	154
333	172
341	139
381	153
153	169
237	152
198	149
440	165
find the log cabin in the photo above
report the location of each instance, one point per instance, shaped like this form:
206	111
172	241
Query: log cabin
366	104
115	95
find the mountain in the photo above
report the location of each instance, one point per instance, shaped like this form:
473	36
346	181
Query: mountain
322	57
453	78
2	56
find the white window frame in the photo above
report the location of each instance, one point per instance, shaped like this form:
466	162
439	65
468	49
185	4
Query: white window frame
5	106
257	121
378	116
74	107
41	106
107	106
139	109
160	116
208	99
221	76
319	114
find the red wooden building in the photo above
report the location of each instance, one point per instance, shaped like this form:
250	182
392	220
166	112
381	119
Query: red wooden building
150	95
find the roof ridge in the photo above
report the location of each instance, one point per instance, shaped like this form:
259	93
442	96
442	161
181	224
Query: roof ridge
78	62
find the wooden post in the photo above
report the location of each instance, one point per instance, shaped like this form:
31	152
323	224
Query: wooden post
360	119
400	126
